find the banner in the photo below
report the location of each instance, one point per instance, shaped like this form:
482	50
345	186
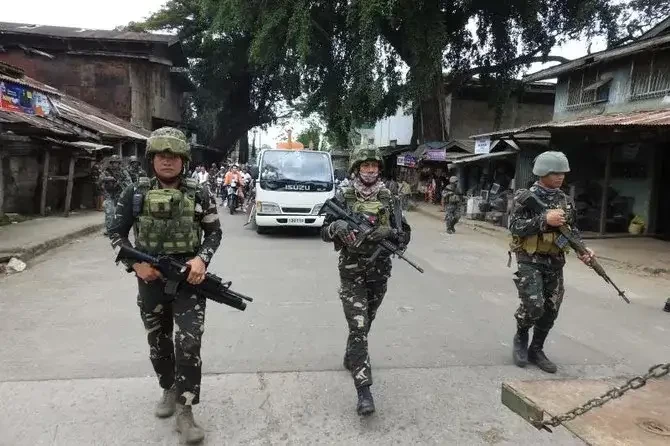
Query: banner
406	160
22	99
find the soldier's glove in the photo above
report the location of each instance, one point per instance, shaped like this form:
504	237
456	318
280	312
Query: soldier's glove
380	233
341	230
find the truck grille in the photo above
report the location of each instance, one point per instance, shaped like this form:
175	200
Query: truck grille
296	210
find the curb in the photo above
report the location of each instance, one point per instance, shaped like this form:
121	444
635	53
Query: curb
29	253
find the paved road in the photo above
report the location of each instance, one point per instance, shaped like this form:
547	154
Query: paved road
75	370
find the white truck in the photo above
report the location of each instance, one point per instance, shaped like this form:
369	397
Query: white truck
291	187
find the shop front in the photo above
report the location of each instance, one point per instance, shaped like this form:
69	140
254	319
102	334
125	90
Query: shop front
618	170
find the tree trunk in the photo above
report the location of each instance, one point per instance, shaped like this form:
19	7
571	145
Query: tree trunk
243	157
432	123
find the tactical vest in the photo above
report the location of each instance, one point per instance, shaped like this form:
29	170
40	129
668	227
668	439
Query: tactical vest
376	209
544	242
166	223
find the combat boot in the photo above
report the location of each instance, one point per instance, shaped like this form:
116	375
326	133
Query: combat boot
536	354
166	406
191	433
520	352
366	405
667	306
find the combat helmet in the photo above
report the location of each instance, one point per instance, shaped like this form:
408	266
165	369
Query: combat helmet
367	153
550	162
169	139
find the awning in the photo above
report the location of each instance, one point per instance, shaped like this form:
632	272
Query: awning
484	156
634	120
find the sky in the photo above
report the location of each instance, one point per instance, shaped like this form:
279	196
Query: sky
108	15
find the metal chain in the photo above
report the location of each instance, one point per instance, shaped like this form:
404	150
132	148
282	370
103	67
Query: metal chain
656	371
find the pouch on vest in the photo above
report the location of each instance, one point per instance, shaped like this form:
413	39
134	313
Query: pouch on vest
164	203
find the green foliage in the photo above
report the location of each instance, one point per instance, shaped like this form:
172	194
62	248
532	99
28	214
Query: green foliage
311	136
355	61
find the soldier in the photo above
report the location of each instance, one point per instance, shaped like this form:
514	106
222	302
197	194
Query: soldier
539	278
172	215
363	285
453	200
113	181
135	169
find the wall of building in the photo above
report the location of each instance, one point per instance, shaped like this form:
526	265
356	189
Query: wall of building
472	117
397	127
135	91
103	83
619	98
154	95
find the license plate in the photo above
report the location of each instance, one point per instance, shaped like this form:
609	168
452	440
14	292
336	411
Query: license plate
296	220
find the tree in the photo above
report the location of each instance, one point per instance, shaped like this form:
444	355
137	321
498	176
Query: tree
311	136
234	94
353	54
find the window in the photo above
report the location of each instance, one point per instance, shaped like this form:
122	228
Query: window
587	87
651	75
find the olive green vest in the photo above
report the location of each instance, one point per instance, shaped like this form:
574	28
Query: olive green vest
166	223
378	208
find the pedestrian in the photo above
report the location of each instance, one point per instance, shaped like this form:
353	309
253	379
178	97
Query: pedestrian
363	285
171	215
113	180
540	258
453	201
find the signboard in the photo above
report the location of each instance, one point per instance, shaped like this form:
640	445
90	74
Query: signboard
482	145
435	155
406	160
22	99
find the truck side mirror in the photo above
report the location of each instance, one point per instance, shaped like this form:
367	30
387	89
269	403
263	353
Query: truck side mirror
254	172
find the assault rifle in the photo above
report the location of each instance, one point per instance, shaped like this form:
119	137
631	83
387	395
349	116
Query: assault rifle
175	274
568	237
364	228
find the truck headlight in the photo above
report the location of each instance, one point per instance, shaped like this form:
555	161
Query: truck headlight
267	208
317	209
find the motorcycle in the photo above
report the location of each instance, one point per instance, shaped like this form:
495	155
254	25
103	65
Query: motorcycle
232	199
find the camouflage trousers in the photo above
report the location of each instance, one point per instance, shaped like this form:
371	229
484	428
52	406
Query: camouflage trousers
109	205
541	293
361	292
176	362
451	216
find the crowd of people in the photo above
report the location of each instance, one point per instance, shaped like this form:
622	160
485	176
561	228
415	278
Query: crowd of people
220	177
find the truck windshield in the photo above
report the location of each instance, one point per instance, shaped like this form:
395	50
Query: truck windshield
296	171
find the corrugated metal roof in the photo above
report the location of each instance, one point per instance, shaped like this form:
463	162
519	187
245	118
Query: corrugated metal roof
33	122
90	117
84	33
84	145
601	56
647	118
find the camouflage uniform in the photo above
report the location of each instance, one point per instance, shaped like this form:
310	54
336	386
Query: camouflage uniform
539	278
188	230
362	285
135	169
453	200
113	181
